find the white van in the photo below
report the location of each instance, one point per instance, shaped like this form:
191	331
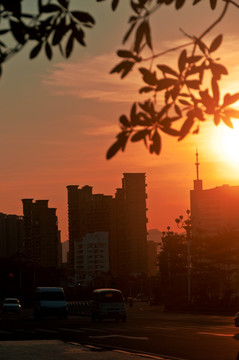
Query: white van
108	304
50	301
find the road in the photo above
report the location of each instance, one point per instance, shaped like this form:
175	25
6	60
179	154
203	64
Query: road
147	330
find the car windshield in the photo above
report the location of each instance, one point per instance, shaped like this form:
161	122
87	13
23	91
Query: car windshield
51	296
11	301
111	296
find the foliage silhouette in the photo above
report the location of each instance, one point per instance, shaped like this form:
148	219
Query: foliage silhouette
179	98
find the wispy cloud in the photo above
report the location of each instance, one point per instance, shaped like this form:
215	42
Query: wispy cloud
90	79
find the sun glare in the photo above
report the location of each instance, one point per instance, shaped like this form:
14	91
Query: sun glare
226	143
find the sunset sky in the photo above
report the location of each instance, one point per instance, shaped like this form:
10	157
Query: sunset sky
59	118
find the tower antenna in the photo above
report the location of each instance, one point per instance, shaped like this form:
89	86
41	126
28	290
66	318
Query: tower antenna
197	164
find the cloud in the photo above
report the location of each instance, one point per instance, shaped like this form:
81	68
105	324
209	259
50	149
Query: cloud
89	78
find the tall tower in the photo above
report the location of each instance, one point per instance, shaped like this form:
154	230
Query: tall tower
133	245
197	182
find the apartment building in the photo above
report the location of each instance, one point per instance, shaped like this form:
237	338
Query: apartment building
41	234
122	217
11	235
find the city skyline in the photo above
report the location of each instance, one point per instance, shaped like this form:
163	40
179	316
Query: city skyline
59	123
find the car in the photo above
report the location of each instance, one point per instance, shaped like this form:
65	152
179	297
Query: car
236	319
108	304
11	305
50	301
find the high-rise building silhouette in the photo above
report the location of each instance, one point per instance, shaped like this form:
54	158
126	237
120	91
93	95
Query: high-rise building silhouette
131	225
41	235
11	235
213	210
122	217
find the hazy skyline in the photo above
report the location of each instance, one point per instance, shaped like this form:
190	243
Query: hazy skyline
60	117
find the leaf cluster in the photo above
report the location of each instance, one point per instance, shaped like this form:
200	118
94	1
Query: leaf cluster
179	99
53	25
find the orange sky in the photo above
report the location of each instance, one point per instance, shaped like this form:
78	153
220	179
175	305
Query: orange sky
58	119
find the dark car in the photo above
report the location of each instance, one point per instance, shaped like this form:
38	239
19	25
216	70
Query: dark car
108	304
11	305
236	319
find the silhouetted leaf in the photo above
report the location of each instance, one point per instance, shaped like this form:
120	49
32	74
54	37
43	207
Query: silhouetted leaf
193	59
215	43
170	131
215	90
48	51
2	32
193	84
128	33
124	67
213	4
165	83
196	2
69	45
230	99
148	76
182	61
207	101
218	70
148	107
187	125
83	17
196	131
179	4
79	36
167	69
232	113
140	33
216	118
177	110
227	121
50	8
12	6
135	7
156	145
198	113
201	45
148	34
143	119
18	31
140	135
125	53
35	51
114	4
119	144
124	121
60	31
184	102
163	111
146	89
2	44
175	92
64	3
133	115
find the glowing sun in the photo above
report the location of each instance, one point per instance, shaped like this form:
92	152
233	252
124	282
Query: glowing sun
226	143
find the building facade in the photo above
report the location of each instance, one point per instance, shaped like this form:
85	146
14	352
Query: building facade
88	213
11	235
213	210
132	225
42	243
122	217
